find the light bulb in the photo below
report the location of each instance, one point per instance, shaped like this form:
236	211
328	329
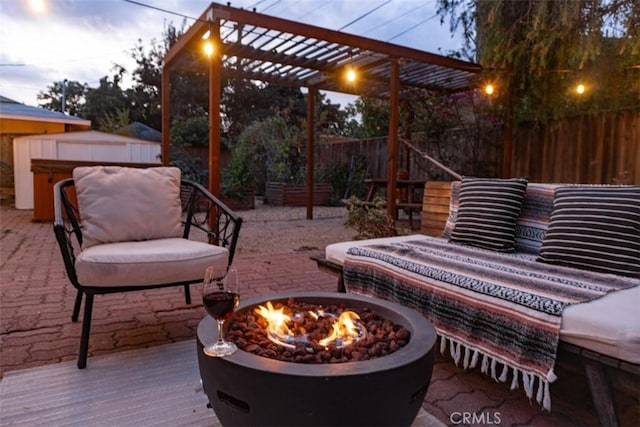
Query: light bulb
351	75
208	48
580	89
38	6
488	89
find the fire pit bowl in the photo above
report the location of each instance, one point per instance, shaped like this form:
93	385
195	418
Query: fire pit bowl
246	389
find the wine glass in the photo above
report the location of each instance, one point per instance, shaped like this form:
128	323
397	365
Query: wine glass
220	297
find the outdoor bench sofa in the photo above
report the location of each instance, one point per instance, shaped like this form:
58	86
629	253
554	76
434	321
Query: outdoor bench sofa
511	313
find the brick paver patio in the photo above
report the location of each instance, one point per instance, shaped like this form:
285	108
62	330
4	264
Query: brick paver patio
35	328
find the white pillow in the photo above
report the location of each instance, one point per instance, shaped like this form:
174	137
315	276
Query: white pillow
120	204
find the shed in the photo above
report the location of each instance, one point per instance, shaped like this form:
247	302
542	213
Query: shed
16	120
91	146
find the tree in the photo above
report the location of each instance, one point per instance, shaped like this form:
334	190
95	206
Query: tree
267	150
244	102
144	96
106	101
374	118
111	122
188	90
332	119
537	51
74	93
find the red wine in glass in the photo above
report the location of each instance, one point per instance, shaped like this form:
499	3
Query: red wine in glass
220	305
220	297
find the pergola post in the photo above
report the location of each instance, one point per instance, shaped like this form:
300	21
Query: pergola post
165	116
407	136
311	97
392	161
215	71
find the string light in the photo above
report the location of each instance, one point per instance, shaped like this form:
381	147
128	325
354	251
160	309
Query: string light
208	45
351	75
208	48
38	6
489	89
580	89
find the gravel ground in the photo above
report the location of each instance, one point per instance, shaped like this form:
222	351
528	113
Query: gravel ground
283	229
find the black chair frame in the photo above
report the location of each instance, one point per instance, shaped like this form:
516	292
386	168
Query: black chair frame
203	215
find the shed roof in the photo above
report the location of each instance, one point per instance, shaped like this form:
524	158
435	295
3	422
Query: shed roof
140	130
90	137
10	109
266	48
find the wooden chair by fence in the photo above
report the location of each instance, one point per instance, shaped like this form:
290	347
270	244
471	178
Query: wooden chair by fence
435	211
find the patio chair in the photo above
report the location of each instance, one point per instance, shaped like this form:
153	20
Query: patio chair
126	229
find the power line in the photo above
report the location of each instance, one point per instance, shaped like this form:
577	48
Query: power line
305	13
137	3
85	58
395	18
412	27
256	4
364	15
270	6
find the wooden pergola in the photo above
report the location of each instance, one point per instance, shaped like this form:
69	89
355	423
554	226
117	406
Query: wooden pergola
254	46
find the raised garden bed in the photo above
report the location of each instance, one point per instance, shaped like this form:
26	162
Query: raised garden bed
246	202
283	194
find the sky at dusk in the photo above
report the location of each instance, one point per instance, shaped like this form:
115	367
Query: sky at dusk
82	40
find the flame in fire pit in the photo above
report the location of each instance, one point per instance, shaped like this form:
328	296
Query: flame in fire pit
343	331
276	318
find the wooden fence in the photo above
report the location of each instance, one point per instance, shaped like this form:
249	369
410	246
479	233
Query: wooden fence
599	148
463	155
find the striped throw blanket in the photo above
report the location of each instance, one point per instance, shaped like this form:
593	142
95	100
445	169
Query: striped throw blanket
499	311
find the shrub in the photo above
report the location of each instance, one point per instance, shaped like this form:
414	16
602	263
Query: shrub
370	221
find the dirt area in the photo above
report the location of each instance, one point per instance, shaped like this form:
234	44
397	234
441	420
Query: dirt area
281	229
271	229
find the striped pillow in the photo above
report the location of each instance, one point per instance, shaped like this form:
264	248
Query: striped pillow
488	211
595	228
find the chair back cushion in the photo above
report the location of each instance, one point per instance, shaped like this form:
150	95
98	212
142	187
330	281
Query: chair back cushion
120	204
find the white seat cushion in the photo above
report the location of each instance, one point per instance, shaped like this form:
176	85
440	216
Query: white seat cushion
609	325
148	262
336	252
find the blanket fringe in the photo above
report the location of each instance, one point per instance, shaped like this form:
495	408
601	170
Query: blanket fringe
474	359
489	366
454	349
514	381
467	358
505	373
